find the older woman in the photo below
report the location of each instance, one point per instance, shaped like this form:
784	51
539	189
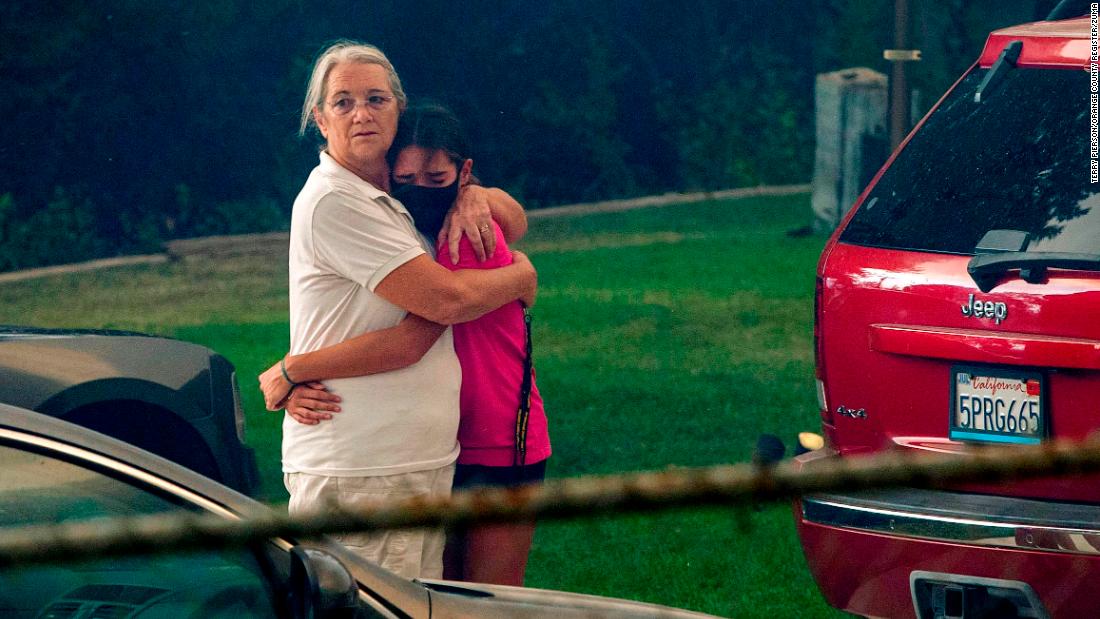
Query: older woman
357	264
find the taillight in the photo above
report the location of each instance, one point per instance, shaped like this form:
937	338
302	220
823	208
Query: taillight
819	353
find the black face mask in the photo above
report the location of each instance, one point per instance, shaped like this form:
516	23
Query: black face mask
427	205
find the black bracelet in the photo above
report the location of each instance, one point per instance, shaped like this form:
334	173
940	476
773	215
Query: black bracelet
286	377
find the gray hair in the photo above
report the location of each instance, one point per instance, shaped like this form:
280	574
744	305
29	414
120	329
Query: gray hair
338	53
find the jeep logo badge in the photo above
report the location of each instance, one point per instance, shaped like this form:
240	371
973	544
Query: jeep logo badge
988	309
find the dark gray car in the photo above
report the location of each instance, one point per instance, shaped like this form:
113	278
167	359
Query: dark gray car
176	399
55	472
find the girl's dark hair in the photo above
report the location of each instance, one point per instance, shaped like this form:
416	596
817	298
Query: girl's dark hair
433	127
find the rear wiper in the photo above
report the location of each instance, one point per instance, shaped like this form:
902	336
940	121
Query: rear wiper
987	269
999	71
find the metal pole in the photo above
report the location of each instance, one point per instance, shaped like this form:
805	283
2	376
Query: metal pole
899	87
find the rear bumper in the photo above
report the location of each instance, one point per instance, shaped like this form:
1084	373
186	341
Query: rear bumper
976	520
864	548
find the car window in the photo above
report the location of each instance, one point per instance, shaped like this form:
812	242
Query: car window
1019	160
39	489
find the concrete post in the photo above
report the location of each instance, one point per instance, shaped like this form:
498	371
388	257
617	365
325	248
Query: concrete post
850	111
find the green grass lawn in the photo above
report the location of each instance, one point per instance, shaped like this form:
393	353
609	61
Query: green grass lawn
663	337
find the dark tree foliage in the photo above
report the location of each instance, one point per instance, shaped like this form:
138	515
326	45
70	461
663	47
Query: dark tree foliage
128	123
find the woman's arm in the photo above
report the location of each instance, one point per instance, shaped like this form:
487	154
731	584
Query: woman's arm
473	209
373	352
508	213
423	287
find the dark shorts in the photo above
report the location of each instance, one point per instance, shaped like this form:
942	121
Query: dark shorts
471	475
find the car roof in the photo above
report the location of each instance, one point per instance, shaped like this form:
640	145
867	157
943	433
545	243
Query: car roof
1052	44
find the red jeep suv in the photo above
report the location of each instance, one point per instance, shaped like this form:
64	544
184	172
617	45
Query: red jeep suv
958	305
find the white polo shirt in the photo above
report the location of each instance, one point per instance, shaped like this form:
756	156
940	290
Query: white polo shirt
346	236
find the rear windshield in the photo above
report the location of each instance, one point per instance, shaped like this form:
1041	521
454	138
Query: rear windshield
1017	161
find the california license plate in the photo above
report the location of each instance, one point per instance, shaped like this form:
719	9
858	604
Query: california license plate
997	405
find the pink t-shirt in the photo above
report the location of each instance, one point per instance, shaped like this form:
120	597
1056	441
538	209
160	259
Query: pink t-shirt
491	351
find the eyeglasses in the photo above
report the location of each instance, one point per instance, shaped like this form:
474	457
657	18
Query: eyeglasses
343	105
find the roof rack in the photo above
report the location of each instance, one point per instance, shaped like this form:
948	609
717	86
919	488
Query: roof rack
1069	8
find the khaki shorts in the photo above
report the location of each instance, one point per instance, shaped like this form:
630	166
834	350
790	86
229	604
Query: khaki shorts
412	553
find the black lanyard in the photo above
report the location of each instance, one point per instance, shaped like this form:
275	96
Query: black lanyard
524	412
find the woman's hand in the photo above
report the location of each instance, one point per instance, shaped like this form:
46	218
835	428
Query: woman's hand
471	216
275	388
311	403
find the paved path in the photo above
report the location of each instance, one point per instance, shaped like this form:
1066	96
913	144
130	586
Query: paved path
667	199
16	276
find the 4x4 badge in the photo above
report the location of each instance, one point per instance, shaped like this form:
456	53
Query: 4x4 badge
978	309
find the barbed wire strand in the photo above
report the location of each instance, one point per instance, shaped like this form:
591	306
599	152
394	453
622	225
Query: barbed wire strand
732	485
